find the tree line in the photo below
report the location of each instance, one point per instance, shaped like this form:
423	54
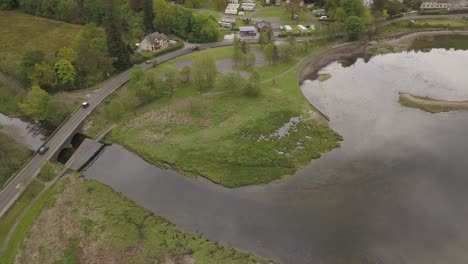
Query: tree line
134	18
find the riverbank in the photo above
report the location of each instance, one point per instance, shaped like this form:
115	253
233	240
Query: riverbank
99	225
392	44
431	105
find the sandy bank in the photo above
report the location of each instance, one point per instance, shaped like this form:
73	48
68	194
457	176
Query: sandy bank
431	105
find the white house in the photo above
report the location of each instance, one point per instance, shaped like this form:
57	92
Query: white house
154	41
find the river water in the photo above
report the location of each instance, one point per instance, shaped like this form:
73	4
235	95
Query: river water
30	135
395	192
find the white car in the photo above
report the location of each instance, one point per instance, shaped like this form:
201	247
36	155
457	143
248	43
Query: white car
84	104
323	18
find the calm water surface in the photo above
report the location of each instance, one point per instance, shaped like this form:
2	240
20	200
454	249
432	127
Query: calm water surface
23	132
395	192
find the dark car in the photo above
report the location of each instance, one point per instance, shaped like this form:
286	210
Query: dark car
84	104
195	48
43	150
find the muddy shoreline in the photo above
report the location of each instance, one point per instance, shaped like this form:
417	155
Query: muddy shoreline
360	50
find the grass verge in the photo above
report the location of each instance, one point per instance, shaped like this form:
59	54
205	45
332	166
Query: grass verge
12	156
99	225
25	225
8	219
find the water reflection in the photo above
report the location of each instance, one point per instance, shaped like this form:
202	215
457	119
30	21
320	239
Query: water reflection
31	135
395	192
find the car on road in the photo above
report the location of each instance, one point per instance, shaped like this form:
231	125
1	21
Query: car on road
43	150
148	62
195	48
84	104
323	18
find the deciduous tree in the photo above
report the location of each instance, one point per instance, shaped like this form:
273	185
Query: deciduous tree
353	27
36	104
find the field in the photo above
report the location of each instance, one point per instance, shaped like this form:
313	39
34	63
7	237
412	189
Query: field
405	26
83	221
21	33
12	156
226	137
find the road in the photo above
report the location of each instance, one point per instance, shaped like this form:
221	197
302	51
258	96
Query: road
23	178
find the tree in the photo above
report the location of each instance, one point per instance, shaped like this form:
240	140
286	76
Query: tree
293	7
117	48
339	15
184	75
148	15
205	28
204	72
353	27
8	4
44	75
231	81
93	62
36	104
268	51
65	72
66	54
393	7
162	16
237	52
28	61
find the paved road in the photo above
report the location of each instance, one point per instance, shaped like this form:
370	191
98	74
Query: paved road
24	177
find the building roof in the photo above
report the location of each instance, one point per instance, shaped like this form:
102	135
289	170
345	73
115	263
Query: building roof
155	36
247	28
263	24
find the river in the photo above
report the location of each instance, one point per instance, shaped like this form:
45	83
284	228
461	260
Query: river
395	192
30	135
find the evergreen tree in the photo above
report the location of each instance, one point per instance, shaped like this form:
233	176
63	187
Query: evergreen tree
117	48
148	15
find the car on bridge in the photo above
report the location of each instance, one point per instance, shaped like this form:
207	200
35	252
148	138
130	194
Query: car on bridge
43	150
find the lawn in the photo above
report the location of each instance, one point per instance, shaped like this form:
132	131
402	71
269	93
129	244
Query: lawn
7	221
21	33
228	138
269	12
12	157
99	225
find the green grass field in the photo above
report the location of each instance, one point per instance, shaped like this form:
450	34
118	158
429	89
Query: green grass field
21	33
99	225
12	156
222	136
270	11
